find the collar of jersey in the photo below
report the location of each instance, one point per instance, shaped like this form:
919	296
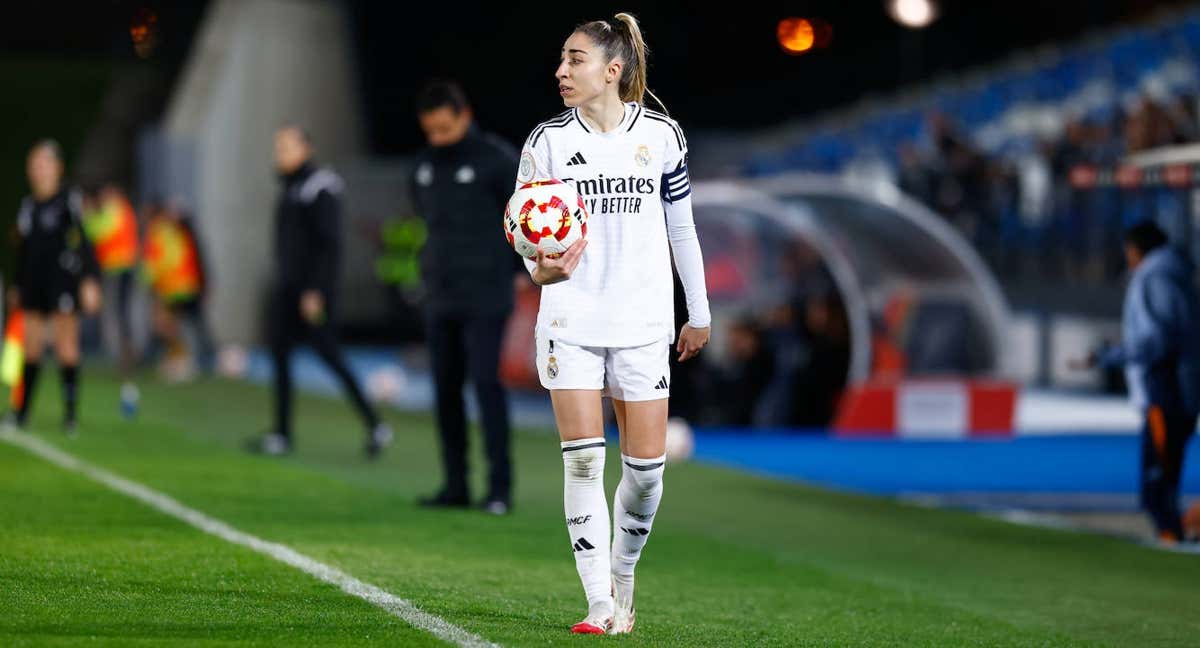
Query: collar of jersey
629	110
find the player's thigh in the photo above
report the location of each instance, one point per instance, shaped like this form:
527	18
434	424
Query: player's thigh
619	414
574	376
66	336
644	434
578	414
638	378
35	334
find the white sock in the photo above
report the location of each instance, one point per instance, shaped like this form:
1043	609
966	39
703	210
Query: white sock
634	508
586	507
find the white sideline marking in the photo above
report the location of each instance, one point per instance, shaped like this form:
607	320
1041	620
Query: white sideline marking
395	605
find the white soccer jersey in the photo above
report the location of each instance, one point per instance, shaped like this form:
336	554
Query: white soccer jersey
621	294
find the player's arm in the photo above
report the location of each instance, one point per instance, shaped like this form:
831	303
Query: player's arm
685	247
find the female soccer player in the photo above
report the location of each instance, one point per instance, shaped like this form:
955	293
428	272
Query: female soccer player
56	273
606	319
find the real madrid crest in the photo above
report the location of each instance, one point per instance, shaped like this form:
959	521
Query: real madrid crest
527	168
642	157
552	368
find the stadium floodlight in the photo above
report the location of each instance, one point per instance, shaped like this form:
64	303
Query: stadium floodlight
914	14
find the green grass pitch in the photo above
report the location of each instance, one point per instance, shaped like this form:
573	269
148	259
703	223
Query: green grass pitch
734	560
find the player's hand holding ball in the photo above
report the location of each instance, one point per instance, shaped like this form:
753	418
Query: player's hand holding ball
549	271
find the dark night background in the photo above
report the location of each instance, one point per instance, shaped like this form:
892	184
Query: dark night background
716	68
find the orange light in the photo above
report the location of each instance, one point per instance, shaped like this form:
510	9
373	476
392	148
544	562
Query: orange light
796	35
143	31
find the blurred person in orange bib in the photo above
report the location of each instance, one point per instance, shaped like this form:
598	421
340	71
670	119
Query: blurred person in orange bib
56	277
111	224
175	270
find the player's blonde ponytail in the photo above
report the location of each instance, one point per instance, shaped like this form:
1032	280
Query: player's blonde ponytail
622	38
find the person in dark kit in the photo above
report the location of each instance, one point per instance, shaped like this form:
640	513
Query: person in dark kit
823	377
1160	352
460	185
746	379
56	274
303	294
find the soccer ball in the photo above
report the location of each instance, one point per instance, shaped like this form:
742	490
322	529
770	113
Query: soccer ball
232	361
386	384
680	442
546	214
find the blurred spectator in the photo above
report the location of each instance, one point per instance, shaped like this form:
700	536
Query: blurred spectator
915	176
743	383
174	268
783	332
824	375
960	182
1161	355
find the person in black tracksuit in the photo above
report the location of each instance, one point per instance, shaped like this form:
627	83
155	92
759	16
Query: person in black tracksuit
303	293
56	274
460	185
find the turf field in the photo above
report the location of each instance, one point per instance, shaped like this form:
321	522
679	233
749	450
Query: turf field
734	560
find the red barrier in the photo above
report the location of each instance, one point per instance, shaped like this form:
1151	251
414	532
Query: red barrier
933	409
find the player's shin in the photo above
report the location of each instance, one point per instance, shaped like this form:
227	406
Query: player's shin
586	509
634	508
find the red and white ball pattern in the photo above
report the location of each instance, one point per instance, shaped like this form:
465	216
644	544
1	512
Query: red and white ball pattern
548	214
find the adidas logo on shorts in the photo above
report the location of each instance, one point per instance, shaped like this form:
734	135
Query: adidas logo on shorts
662	383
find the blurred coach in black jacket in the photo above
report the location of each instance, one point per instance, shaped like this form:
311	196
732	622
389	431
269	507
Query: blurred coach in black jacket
460	185
304	286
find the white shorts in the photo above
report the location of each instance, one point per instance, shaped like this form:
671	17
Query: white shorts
625	373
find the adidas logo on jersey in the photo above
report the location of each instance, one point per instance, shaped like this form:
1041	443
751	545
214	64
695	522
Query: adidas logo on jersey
576	159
